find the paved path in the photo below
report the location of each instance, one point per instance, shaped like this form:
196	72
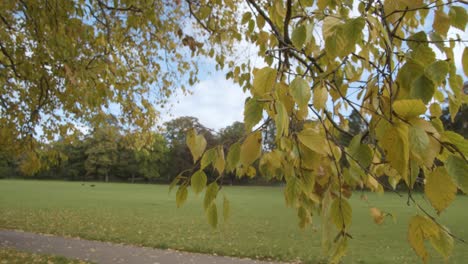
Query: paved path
107	253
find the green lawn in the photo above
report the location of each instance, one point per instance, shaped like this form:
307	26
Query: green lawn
260	225
12	256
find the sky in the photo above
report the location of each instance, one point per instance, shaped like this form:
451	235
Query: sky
215	101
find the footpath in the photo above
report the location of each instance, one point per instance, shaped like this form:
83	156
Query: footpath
108	253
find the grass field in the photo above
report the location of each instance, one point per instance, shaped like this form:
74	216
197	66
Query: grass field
260	225
12	256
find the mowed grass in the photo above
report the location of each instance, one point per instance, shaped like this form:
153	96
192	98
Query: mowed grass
13	256
260	226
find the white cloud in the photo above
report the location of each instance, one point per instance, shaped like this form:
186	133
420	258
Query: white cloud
215	101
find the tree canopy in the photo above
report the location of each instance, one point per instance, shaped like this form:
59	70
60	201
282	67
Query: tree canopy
391	63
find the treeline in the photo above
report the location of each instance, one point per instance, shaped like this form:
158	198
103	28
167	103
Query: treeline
109	153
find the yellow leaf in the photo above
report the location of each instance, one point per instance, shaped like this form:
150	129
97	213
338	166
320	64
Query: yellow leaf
422	228
465	60
416	237
251	148
320	97
300	91
409	108
314	140
264	80
233	157
440	189
210	195
396	145
441	22
377	215
196	144
435	109
212	214
181	195
219	162
281	120
198	181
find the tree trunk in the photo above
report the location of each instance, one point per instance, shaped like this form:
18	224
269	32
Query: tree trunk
133	177
107	176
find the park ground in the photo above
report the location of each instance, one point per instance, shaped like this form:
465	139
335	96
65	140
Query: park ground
260	225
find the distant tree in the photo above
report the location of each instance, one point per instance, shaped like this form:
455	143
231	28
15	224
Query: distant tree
102	152
232	133
152	158
7	165
459	123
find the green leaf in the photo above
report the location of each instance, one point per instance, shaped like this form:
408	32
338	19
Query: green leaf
419	141
396	145
253	112
458	140
362	153
226	209
341	213
407	74
320	97
196	144
420	39
198	181
298	37
341	39
181	195
443	244
264	80
457	168
205	11
246	18
340	250
212	215
233	157
314	140
330	23
458	17
422	88
210	195
414	173
208	158
409	108
292	191
260	22
322	4
456	84
304	216
174	182
437	71
300	91
465	60
440	189
251	148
